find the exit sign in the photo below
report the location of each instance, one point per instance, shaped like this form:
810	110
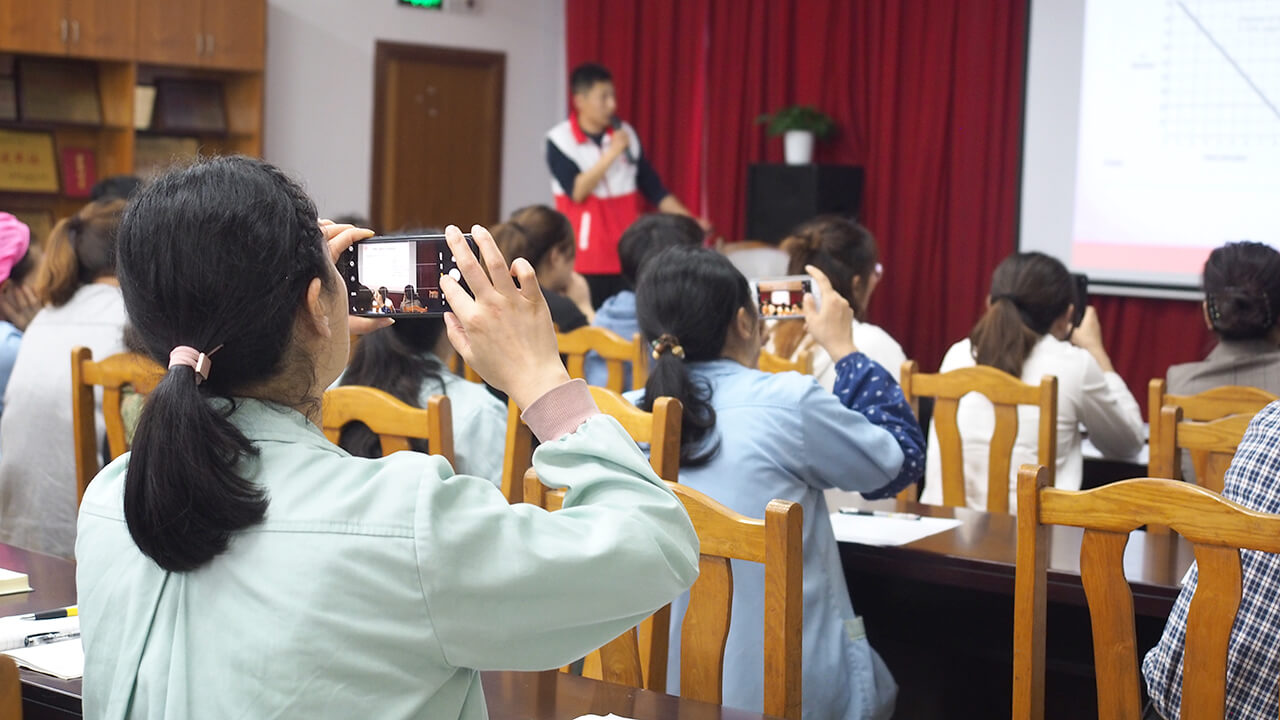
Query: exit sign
428	4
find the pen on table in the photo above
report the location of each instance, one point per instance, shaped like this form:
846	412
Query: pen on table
52	614
879	513
50	637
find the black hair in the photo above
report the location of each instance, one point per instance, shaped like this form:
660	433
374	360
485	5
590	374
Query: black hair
585	76
1242	290
397	360
1029	291
116	187
693	295
649	235
215	256
839	247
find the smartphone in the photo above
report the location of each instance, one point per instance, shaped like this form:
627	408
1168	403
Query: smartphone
1082	298
782	298
399	275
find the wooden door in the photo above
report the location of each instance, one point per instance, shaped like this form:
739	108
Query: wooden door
34	26
170	32
235	34
102	28
437	137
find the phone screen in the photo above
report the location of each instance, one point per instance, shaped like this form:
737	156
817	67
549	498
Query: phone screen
399	275
781	298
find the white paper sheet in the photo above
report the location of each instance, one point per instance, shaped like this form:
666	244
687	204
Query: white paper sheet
63	659
610	716
868	530
14	630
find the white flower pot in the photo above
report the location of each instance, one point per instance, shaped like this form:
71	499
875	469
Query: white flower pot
798	146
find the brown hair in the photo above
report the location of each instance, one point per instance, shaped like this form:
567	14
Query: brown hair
80	250
1029	291
839	247
532	233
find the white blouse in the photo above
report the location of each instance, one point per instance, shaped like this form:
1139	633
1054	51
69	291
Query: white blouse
1086	395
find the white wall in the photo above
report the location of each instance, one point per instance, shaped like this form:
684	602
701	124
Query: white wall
319	94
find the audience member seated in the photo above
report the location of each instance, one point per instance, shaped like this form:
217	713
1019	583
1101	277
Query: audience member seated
544	237
1253	656
647	236
748	437
1241	307
18	302
1027	333
237	564
76	278
847	253
410	360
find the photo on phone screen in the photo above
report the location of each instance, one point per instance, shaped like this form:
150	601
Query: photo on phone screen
399	275
781	298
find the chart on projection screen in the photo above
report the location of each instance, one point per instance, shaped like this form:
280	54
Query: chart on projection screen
1179	134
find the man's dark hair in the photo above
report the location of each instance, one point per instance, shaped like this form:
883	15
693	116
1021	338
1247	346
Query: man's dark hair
116	187
586	75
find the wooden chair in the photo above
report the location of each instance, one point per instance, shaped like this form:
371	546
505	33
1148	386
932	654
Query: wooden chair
113	374
1208	425
517	456
1217	529
724	535
615	351
460	368
394	422
771	363
1006	393
10	689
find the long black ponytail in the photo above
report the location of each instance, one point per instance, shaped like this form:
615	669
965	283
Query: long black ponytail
686	300
216	256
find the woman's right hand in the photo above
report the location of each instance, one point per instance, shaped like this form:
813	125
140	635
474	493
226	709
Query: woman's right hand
504	332
1089	337
831	326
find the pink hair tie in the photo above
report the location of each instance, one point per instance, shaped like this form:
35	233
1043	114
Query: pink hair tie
194	359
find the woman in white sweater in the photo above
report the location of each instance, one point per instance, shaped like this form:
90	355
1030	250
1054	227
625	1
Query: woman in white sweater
846	252
1026	332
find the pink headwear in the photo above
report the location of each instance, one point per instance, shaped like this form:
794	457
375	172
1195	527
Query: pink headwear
15	238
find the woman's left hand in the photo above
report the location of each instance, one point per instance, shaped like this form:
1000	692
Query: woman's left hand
341	237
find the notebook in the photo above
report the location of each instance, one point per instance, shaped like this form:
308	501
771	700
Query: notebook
63	659
12	581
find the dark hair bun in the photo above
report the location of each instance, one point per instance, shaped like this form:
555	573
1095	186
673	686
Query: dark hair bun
1242	290
1240	313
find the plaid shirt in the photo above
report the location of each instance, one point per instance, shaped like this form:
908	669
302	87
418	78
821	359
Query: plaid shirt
1253	656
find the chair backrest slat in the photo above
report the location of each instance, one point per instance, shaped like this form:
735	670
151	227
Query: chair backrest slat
1005	393
1217	528
772	363
393	421
517	456
112	374
615	351
1111	612
705	631
1211	444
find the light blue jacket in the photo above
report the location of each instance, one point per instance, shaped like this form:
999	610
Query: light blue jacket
784	436
375	588
10	340
617	314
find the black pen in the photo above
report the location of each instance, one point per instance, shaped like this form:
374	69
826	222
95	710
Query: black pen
878	513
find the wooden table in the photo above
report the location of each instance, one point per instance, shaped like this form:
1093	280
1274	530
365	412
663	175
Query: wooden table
940	610
509	695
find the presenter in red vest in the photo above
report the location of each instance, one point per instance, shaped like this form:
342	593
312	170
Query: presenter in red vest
599	177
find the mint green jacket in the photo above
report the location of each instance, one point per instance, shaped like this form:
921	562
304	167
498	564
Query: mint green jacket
376	588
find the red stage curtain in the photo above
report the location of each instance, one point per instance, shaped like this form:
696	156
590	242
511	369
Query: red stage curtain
928	98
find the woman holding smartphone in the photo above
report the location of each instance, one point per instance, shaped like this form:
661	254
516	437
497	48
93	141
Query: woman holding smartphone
748	437
237	564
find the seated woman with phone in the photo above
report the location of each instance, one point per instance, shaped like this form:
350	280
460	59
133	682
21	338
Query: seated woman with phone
237	564
748	437
1027	331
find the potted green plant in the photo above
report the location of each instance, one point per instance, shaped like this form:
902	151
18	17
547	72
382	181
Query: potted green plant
799	125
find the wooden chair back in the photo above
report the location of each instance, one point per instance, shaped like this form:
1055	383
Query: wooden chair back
517	455
113	374
1208	425
1006	393
771	363
1217	529
615	350
724	535
10	689
460	368
393	421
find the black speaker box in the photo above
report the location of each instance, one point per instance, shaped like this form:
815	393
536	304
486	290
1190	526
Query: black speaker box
779	197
